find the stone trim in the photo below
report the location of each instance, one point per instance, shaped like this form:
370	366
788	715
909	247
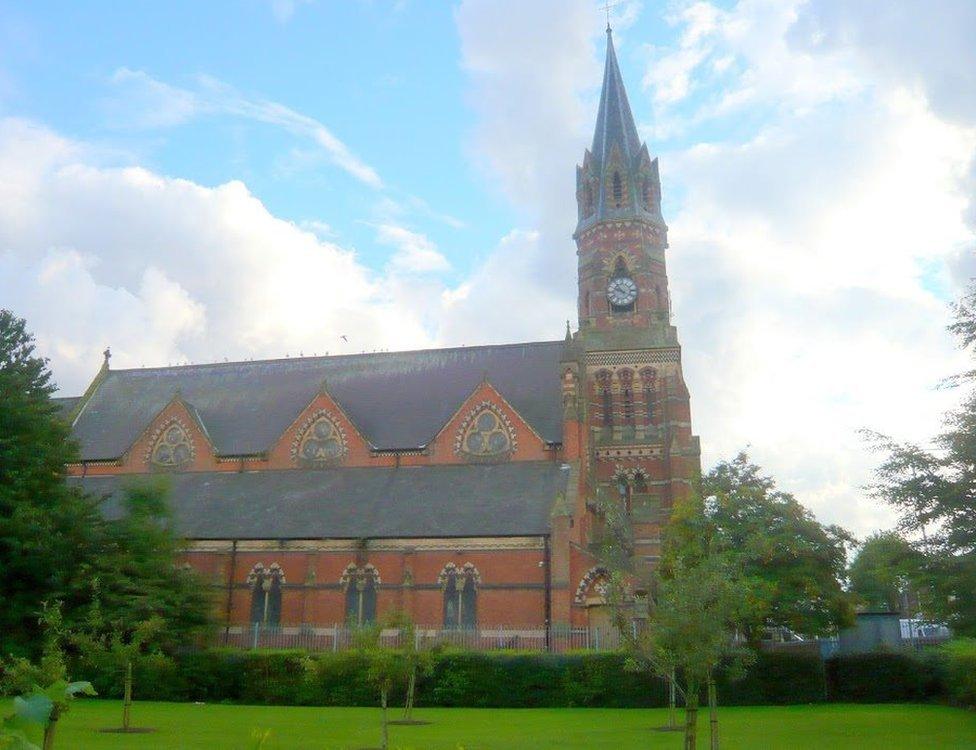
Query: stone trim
633	357
470	544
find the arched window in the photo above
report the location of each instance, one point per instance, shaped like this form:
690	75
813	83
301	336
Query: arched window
625	490
646	193
460	587
640	482
587	199
360	584
618	190
647	382
627	396
266	586
606	397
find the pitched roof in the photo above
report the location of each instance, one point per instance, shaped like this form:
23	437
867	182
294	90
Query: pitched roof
65	404
511	499
395	399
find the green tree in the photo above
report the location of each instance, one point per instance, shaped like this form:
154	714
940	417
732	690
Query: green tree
697	601
56	544
886	570
934	492
793	564
47	530
389	666
137	579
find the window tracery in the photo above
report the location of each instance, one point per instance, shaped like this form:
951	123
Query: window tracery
360	584
595	580
460	586
171	446
266	586
485	434
320	441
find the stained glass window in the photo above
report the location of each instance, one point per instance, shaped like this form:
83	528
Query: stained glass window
172	448
265	586
321	442
486	435
460	597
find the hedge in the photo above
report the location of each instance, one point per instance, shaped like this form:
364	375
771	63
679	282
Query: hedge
501	680
960	671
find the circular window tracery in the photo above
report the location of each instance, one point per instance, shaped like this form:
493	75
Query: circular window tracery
485	434
172	447
320	441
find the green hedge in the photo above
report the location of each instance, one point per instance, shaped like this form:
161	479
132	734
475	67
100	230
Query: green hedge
500	680
960	671
883	677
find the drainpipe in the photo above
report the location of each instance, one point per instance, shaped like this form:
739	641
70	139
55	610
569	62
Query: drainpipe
546	561
230	588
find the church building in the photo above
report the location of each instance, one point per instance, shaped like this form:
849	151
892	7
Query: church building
462	485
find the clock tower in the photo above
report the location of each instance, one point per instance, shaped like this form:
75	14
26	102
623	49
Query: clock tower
630	399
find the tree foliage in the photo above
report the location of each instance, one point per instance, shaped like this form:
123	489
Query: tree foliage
793	564
934	492
47	530
56	544
886	570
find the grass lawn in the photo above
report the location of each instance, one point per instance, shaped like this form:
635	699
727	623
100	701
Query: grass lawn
219	727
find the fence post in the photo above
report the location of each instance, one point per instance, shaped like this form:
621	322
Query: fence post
257	631
596	633
335	638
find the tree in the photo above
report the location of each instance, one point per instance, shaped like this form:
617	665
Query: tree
56	544
934	492
886	572
42	706
793	564
388	666
47	529
136	578
697	601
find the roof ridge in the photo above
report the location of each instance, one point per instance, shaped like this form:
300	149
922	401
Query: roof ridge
199	365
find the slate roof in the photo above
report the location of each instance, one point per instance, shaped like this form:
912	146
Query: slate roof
510	499
65	404
397	400
614	120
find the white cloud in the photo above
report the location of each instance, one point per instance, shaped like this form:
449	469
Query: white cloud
165	270
810	259
144	101
415	253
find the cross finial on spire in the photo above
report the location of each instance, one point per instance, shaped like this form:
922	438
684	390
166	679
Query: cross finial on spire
607	6
108	355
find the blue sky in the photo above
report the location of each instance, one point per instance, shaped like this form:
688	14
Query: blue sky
190	182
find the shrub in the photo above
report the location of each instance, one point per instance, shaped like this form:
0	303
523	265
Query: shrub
960	671
776	679
881	677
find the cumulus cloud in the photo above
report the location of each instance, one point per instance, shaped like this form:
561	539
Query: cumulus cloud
166	270
415	253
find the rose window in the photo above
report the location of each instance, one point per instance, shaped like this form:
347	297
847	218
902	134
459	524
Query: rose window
173	447
487	435
321	442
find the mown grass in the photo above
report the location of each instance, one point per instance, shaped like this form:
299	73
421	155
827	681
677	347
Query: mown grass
227	727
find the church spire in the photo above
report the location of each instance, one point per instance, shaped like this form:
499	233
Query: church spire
614	121
617	180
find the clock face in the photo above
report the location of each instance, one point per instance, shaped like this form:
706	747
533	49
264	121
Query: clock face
622	291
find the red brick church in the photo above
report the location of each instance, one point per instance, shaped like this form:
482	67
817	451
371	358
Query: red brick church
458	484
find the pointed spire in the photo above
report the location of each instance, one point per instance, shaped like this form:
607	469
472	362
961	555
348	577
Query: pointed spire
614	122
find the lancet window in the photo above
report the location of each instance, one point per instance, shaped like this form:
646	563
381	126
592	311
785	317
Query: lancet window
265	584
360	584
460	587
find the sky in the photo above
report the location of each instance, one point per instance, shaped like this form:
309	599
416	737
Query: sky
195	182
